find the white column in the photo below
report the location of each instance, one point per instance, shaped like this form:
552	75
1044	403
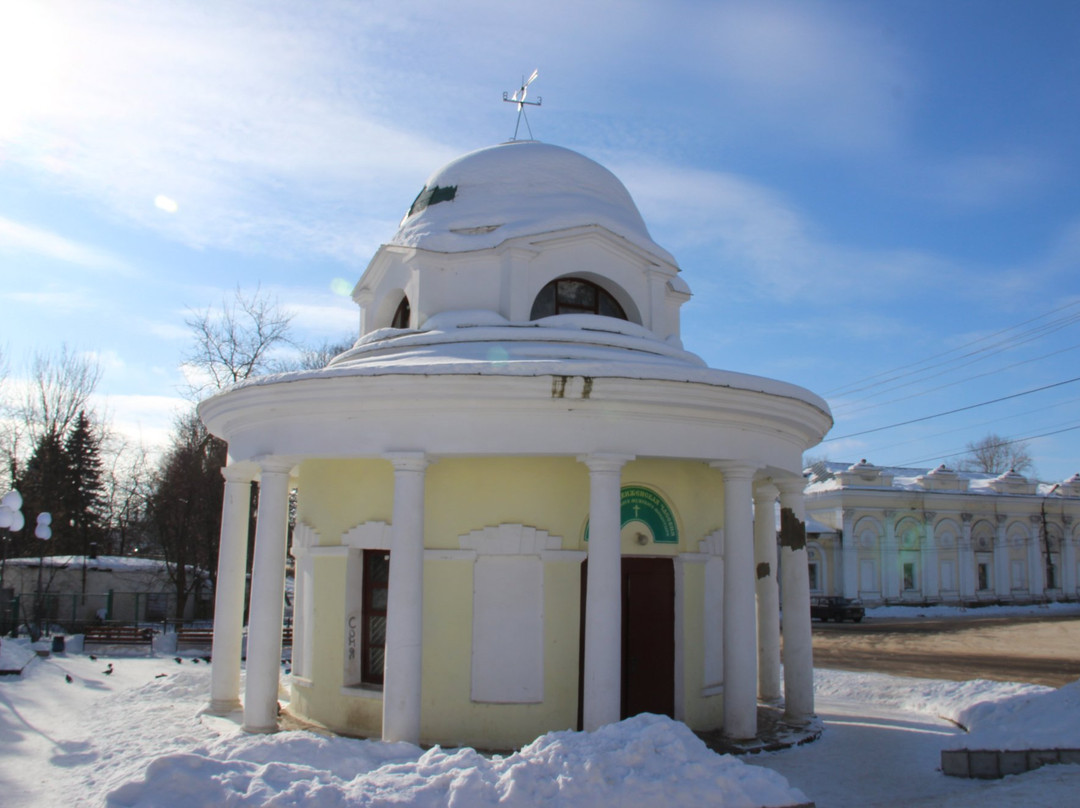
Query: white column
405	602
930	586
767	593
1036	557
851	556
602	691
798	646
267	609
1068	559
965	560
1001	559
229	592
740	666
890	559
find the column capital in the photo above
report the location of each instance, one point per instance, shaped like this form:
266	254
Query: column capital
735	469
605	461
407	461
791	487
1034	518
239	473
275	464
1066	520
1001	518
888	514
929	516
848	513
766	492
966	518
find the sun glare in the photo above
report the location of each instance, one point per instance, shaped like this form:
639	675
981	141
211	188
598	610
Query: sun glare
166	204
32	57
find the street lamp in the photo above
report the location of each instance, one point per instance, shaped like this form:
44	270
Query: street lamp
11	520
44	532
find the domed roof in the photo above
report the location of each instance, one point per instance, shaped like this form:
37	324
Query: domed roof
515	189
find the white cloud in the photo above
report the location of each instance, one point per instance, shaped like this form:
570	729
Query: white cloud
761	244
239	115
17	238
145	420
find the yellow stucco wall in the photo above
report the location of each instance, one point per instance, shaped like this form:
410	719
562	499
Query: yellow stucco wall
467	494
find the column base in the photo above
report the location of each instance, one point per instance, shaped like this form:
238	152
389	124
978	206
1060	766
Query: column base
260	730
224	706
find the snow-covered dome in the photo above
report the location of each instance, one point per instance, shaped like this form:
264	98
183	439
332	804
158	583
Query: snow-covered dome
519	188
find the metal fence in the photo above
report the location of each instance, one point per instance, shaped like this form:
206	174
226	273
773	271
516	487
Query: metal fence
51	612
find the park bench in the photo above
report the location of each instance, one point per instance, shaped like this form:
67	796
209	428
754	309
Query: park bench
118	635
204	638
194	638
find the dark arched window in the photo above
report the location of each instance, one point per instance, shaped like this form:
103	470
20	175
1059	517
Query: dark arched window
402	315
575	296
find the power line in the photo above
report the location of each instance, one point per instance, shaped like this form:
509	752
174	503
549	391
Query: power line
1021	363
852	386
1002	443
967	427
972	357
951	412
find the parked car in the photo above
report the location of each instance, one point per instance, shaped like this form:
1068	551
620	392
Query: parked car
832	607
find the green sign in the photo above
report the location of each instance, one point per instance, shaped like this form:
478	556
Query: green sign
641	504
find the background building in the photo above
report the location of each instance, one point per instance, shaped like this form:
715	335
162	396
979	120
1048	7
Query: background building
895	535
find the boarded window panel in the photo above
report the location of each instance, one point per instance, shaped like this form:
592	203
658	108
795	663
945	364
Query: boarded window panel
508	630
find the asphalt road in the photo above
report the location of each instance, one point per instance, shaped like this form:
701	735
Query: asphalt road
1042	650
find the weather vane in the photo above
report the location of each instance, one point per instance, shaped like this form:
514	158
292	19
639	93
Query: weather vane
519	98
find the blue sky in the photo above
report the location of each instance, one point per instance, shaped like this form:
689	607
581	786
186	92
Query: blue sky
849	188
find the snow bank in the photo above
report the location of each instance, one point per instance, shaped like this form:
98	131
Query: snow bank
997	715
1036	720
940	699
15	654
644	761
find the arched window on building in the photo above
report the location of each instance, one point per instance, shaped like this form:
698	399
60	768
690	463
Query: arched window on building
575	296
402	315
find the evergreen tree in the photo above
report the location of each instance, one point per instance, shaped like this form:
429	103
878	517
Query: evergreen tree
83	491
42	483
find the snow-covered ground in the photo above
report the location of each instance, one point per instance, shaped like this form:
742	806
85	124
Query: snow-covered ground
135	737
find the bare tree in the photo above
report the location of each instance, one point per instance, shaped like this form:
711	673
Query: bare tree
127	478
60	388
184	507
996	455
236	341
318	356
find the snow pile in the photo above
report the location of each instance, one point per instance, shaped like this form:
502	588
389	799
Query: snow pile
1030	720
940	699
14	655
644	761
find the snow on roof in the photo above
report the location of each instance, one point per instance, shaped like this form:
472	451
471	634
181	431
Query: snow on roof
466	343
825	476
517	189
102	563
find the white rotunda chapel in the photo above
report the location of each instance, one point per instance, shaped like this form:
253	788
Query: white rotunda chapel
522	505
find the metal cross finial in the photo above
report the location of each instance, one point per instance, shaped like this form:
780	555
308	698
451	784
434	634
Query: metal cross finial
519	98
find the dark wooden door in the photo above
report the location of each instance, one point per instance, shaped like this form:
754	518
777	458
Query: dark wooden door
648	637
648	641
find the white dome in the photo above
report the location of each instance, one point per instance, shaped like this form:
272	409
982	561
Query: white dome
516	189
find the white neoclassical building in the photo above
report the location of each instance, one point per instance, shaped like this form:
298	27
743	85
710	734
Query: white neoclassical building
900	535
523	506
